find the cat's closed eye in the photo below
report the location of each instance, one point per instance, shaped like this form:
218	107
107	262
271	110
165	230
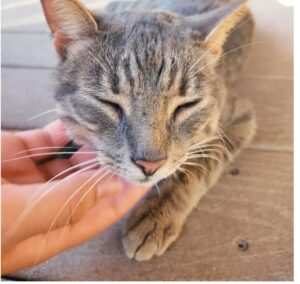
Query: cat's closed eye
113	105
186	106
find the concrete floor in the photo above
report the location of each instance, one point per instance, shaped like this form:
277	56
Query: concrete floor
256	205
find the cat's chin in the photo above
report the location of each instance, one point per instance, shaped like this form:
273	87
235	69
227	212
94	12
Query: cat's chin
145	181
142	181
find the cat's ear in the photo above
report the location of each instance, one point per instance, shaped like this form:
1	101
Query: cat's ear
215	25
68	20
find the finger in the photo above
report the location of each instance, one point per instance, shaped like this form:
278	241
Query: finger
52	138
22	149
48	205
82	155
17	171
37	139
106	212
47	140
78	161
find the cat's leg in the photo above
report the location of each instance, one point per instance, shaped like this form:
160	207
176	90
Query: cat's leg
152	227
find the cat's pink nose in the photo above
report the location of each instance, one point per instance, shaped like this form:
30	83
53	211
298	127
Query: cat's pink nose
150	167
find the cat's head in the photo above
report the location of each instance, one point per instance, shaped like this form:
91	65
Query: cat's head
141	88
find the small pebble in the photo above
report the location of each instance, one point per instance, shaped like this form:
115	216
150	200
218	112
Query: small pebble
234	171
243	245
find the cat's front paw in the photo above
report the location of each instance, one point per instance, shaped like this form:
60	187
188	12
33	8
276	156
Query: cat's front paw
149	232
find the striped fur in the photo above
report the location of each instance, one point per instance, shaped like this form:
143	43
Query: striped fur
147	80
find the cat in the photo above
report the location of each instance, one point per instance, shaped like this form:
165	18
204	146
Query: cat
150	85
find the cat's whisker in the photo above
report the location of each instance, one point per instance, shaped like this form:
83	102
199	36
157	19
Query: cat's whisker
48	153
230	51
206	141
222	135
37	200
28	209
73	211
240	25
41	114
214	149
205	150
99	62
86	193
157	188
182	170
51	147
177	178
219	150
197	156
201	150
207	52
192	173
198	61
203	156
65	133
188	162
197	166
188	171
205	147
203	153
42	148
88	190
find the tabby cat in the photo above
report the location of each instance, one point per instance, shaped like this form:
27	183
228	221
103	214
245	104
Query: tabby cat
150	85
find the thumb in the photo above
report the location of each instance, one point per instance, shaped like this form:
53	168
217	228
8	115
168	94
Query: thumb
105	212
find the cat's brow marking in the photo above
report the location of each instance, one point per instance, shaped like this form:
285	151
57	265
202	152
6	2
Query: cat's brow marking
115	81
138	62
183	86
127	70
173	73
160	70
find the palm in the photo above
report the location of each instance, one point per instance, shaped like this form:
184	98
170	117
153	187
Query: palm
70	211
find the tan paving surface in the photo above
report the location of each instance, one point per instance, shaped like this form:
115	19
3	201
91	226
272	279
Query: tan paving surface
256	205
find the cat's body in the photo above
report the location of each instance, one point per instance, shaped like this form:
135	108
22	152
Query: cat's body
146	83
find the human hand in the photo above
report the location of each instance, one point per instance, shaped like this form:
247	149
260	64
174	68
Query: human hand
45	212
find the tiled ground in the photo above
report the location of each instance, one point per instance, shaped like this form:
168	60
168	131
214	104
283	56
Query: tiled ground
256	205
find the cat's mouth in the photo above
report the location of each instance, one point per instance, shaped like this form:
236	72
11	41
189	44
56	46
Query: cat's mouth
149	175
148	180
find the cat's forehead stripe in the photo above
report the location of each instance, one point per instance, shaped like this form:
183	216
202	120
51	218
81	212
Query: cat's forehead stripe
161	68
183	86
138	61
115	81
128	73
173	73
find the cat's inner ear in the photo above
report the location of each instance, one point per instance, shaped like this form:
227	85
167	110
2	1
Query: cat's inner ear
215	25
68	20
